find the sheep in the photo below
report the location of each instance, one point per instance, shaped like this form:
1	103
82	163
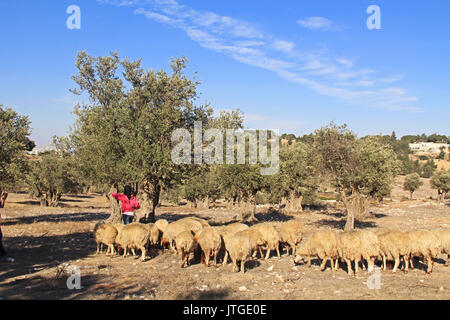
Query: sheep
349	249
203	222
370	247
323	244
171	231
256	240
195	225
240	249
424	243
236	227
134	236
154	234
291	235
161	224
270	236
105	233
210	242
185	246
444	237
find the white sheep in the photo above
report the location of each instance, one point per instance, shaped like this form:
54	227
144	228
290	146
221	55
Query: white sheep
322	244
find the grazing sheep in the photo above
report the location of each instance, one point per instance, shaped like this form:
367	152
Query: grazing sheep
323	244
134	236
270	236
291	235
161	224
444	237
210	242
105	233
154	234
394	245
240	249
424	243
349	249
370	247
171	231
236	227
195	225
186	245
256	240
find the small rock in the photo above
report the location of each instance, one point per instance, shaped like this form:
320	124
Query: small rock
421	280
242	288
294	268
441	289
270	268
204	286
286	291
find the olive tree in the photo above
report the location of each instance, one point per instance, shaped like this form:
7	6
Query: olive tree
360	169
412	183
441	181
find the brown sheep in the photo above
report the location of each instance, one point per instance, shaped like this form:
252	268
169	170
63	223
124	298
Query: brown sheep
185	246
134	236
444	237
105	233
322	244
210	242
240	249
291	235
270	236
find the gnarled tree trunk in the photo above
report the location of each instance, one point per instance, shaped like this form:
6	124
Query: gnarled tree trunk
248	208
115	212
292	203
149	198
356	205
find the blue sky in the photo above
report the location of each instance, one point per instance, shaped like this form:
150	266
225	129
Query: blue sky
288	65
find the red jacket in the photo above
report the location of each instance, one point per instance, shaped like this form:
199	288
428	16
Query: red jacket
128	205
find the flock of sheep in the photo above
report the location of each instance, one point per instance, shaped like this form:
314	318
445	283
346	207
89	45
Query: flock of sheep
241	242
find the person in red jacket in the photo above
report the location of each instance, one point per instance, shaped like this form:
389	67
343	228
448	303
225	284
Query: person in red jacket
129	204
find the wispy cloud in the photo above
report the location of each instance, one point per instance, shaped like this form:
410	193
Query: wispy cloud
316	23
334	77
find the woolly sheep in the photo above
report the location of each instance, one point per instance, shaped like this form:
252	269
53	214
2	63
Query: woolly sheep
226	232
134	236
185	246
240	249
370	247
271	237
349	249
161	224
424	243
291	235
210	242
256	240
323	244
444	237
171	231
105	233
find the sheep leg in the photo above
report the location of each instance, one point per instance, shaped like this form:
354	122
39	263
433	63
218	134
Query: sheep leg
243	265
406	262
411	262
267	253
309	262
133	252
215	258
182	258
384	262
278	252
430	264
349	267
336	264
323	264
260	252
356	266
98	248
144	253
225	258
332	264
397	262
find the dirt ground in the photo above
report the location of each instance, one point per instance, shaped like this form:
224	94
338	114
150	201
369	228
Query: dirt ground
43	243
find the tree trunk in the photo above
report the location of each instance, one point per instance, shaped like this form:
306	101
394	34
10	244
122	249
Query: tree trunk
411	195
293	203
149	198
248	209
115	212
356	206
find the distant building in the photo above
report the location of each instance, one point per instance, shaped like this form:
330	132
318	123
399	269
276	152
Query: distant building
428	147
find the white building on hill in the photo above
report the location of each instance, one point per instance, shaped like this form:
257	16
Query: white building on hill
428	147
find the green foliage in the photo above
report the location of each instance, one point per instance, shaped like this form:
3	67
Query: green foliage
423	157
52	175
14	141
428	169
412	182
441	181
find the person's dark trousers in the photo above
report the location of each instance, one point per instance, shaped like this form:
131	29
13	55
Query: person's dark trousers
127	219
2	250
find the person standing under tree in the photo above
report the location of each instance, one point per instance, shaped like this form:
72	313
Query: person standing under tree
129	204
